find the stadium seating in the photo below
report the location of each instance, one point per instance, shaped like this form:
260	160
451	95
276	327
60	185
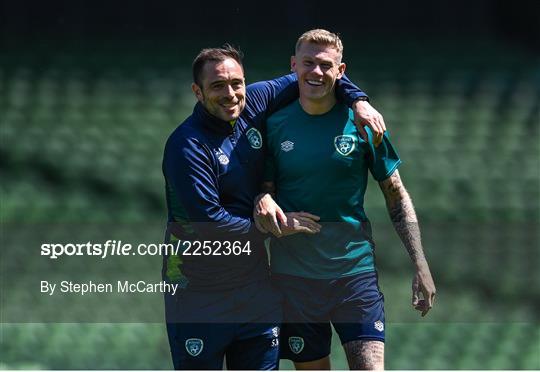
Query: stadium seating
81	145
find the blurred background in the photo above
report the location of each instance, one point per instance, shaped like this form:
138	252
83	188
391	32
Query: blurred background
90	91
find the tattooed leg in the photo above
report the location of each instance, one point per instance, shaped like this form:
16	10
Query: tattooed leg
365	355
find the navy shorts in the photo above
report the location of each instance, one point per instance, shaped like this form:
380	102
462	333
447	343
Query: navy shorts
354	305
241	325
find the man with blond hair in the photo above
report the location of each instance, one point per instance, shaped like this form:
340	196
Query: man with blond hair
318	161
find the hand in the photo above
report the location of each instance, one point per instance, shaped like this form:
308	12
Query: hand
365	114
300	222
423	283
266	215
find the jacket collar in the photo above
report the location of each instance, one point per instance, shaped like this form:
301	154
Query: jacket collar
210	122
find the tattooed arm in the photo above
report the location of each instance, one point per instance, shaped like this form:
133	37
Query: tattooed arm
403	216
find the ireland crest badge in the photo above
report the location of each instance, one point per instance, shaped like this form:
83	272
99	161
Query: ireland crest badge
344	144
254	137
296	344
194	346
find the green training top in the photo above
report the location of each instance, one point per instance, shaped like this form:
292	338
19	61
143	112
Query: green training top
319	164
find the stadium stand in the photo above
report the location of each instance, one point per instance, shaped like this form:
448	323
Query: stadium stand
82	146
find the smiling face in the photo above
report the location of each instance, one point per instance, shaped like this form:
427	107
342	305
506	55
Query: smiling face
222	90
318	66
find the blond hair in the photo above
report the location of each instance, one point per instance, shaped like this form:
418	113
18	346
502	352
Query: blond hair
323	37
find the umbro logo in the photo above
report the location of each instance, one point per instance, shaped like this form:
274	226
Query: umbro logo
223	159
287	146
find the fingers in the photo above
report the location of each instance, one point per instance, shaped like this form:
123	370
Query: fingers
259	226
377	138
431	299
378	123
281	216
423	307
428	289
274	225
365	114
305	229
300	222
268	224
268	213
363	132
383	124
309	223
425	304
378	128
423	286
308	215
415	293
415	299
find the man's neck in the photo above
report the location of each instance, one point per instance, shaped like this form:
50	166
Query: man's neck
317	106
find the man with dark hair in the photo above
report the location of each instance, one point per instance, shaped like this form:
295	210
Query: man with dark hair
213	55
213	168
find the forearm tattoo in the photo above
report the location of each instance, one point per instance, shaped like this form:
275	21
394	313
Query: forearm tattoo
403	216
365	355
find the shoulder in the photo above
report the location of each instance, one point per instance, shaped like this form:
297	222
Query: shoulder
354	129
264	94
268	87
188	135
348	111
253	90
255	97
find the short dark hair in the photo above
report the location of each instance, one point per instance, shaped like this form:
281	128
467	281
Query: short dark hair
214	55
